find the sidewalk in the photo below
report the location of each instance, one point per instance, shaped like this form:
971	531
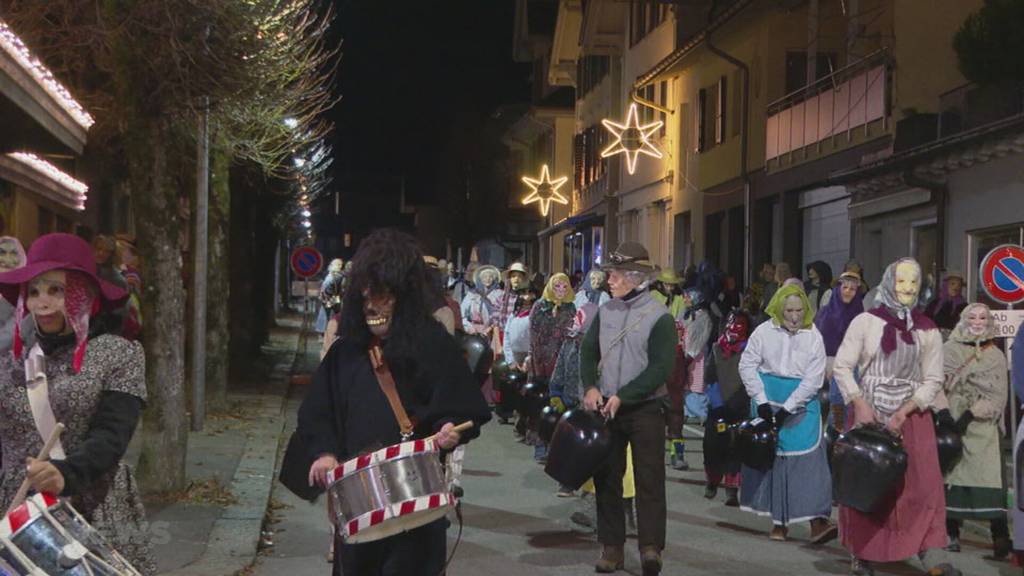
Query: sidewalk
214	527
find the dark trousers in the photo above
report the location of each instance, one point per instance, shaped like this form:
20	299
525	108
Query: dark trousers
418	552
643	427
676	405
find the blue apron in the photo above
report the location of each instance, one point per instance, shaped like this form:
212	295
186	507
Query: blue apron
801	433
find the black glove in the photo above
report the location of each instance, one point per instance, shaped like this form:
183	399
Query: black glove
944	418
764	411
780	418
964	421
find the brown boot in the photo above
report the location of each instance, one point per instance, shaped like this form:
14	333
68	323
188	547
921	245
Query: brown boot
778	533
650	560
823	530
612	558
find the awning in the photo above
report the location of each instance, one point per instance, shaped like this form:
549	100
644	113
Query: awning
573	223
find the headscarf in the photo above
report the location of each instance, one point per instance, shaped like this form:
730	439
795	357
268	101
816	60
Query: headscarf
593	292
899	319
835	317
478	283
697	301
549	290
777	306
944	296
962	332
80	303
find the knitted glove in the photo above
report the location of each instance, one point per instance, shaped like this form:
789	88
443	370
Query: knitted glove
780	417
964	421
944	418
764	411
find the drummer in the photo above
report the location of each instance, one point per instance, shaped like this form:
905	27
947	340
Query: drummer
93	383
345	413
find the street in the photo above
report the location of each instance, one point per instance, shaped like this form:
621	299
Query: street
514	524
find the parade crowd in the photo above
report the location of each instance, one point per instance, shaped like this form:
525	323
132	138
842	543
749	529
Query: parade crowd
791	362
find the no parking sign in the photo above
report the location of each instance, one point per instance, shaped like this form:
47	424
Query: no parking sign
306	261
1002	274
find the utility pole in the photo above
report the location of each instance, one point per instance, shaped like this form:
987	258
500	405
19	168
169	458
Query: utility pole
199	270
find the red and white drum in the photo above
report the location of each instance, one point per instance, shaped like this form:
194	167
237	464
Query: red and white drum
47	536
389	491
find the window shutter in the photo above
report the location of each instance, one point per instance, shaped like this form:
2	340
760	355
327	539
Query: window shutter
577	160
702	113
737	103
720	105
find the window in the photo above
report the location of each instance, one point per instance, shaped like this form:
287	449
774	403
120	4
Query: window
711	104
796	69
590	70
588	163
645	16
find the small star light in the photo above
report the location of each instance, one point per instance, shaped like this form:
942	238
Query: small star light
545	190
631	138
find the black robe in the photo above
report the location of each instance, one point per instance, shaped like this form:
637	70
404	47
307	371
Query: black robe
345	413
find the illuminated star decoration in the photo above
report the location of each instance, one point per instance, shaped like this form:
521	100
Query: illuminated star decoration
631	138
545	190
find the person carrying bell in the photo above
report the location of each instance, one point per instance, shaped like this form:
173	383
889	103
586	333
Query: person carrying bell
626	360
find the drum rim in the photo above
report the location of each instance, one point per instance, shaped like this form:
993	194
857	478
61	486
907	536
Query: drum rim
447	501
359	463
38	498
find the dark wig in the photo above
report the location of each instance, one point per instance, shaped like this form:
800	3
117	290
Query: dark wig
388	262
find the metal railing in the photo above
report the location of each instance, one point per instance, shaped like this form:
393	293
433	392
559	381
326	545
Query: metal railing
972	106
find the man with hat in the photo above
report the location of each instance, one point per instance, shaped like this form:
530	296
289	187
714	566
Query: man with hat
626	359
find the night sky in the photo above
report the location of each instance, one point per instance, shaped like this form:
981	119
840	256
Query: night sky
411	71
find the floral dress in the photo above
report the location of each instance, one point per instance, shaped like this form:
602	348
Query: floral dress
111	503
548	329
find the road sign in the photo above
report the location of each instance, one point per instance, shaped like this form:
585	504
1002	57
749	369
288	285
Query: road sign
1007	322
1002	274
306	261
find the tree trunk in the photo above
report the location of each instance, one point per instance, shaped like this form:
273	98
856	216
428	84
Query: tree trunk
155	197
218	334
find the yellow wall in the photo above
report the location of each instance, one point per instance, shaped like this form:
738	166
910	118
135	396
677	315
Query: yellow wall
923	46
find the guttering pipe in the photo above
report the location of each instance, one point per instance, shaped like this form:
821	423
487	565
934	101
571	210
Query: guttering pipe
744	141
645	102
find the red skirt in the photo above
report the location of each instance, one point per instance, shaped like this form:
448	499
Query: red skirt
914	519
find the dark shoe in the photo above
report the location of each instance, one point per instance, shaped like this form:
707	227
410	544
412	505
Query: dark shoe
822	531
1001	548
612	559
565	492
732	497
860	567
710	491
650	560
778	533
944	570
954	544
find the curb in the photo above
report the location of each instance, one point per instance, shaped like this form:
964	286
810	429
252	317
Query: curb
234	539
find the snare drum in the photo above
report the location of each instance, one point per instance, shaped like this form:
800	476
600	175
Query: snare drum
46	535
389	491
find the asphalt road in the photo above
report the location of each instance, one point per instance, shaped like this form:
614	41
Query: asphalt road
515	525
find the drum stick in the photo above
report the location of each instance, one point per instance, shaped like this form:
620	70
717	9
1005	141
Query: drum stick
459	428
43	455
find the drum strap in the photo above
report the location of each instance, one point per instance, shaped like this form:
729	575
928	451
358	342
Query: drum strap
387	385
39	398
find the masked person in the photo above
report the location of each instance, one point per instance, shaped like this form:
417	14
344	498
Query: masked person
330	294
516	343
819	281
478	306
91	382
974	398
665	289
889	369
550	320
783	367
698	329
946	309
516	288
1017	354
626	359
593	290
730	404
345	413
832	321
12	256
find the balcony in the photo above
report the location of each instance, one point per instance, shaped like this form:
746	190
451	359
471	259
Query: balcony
846	108
971	106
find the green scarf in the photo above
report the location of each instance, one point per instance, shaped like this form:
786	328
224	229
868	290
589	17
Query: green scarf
778	305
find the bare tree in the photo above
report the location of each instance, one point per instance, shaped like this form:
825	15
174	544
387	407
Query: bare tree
144	68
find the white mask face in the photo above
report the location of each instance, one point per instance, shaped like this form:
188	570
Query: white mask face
596	279
46	301
977	320
793	314
9	256
560	288
488	278
908	283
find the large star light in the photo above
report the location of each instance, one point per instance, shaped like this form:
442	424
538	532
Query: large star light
545	191
631	138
